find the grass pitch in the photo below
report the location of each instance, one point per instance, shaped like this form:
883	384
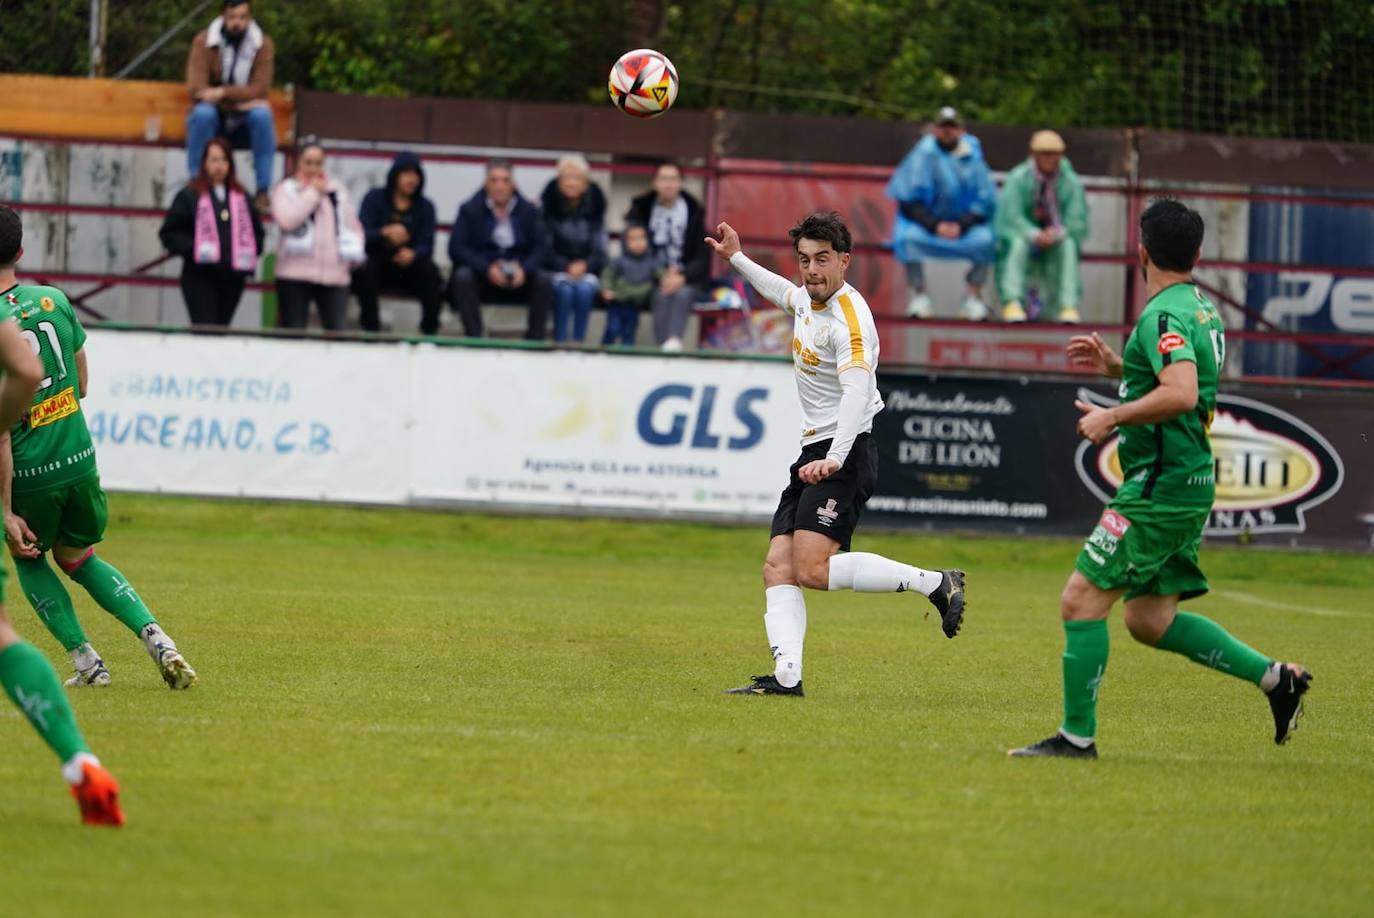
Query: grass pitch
449	714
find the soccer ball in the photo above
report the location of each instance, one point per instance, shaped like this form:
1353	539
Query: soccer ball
643	83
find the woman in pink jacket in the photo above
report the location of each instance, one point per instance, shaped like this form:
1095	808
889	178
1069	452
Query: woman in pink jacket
321	241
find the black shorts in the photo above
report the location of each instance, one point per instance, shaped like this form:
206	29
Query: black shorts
832	507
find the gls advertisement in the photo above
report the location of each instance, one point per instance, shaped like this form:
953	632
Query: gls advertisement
599	430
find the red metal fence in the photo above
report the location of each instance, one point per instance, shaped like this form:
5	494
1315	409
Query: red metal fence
761	197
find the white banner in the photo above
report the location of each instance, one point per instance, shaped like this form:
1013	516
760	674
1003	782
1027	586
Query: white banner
604	431
395	423
197	414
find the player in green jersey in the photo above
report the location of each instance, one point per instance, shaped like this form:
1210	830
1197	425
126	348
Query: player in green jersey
54	503
1145	546
28	678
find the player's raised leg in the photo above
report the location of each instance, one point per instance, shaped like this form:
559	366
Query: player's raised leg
108	587
1084	608
1158	622
865	572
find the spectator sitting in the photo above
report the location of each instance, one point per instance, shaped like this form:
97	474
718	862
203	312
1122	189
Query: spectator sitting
320	242
398	225
677	233
218	235
627	285
229	76
945	200
575	216
1042	219
499	248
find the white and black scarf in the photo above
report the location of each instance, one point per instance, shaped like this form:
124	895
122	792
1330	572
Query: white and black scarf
235	60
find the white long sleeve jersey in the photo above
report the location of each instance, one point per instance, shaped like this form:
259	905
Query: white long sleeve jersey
827	339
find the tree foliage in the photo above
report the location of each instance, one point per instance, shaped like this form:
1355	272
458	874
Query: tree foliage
1288	68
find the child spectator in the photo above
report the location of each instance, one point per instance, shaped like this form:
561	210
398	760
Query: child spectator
627	284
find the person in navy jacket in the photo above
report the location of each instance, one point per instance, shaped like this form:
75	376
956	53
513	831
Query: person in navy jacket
500	249
398	228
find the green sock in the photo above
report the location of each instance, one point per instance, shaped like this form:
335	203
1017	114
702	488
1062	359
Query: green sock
1204	641
50	600
32	685
108	587
1085	661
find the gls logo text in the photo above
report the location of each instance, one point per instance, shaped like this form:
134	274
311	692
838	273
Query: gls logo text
668	411
1352	300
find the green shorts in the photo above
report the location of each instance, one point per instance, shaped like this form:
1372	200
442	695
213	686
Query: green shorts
73	514
1146	550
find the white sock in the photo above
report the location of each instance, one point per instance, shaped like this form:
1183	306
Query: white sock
785	622
84	657
1270	680
153	635
71	769
1082	742
864	572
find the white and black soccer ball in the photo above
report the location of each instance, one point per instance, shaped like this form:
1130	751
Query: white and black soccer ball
643	83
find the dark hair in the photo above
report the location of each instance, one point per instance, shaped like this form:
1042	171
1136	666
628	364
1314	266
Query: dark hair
823	227
498	162
230	4
670	163
1172	234
633	225
201	182
11	236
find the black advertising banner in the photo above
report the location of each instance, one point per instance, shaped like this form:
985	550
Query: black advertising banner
979	453
1294	465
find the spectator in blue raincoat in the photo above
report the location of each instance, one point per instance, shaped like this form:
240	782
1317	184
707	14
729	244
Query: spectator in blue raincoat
945	206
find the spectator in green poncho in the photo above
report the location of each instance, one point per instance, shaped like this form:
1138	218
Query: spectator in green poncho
1042	217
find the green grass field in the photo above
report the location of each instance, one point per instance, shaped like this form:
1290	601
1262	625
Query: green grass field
426	713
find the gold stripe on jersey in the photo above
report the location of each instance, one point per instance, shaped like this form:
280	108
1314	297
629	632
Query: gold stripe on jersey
856	336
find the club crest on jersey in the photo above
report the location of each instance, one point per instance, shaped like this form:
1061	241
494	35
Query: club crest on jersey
1171	342
827	515
12	299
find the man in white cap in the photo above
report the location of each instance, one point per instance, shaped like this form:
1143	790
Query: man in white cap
945	201
1042	218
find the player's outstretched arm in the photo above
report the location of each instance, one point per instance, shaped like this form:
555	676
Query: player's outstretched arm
772	287
83	373
1092	353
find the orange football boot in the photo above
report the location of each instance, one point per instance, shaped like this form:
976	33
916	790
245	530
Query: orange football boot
98	796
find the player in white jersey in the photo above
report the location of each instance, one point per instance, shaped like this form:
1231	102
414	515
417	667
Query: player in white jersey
835	355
